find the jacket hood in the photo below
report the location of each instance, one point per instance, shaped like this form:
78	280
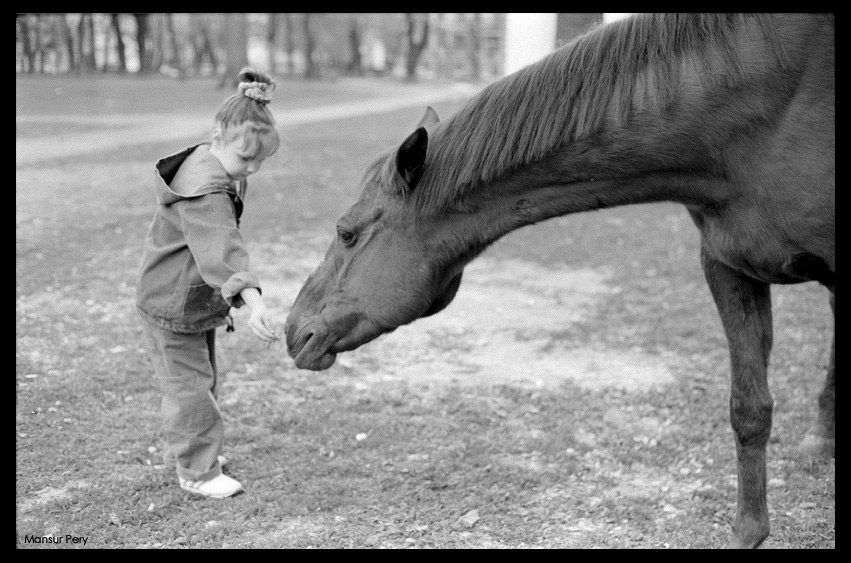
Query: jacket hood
200	173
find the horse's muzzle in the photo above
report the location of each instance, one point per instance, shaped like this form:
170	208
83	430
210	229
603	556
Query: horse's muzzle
308	344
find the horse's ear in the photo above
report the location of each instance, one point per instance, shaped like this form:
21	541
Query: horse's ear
411	156
430	118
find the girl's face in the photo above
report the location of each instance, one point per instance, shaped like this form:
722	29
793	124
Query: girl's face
238	158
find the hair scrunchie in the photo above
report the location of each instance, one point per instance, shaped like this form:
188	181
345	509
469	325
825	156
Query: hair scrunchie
258	91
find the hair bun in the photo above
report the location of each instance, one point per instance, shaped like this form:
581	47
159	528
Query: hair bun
256	85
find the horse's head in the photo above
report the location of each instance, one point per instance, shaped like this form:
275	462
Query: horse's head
386	267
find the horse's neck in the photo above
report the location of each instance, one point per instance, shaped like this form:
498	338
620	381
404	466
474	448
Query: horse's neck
607	170
693	152
699	151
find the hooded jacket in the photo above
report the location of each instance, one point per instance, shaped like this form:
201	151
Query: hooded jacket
195	262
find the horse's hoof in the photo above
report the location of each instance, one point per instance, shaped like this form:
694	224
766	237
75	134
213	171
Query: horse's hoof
814	445
746	543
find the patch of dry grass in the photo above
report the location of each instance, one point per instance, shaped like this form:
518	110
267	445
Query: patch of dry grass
350	462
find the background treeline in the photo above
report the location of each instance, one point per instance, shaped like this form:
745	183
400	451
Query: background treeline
452	46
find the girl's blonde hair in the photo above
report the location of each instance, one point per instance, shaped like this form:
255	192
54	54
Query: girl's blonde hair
246	113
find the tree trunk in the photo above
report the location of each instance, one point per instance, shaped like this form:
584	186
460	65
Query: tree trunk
119	43
271	35
142	33
289	42
174	60
57	42
475	47
417	42
445	63
29	56
157	41
355	65
311	70
68	36
209	49
91	61
202	44
236	48
83	56
38	44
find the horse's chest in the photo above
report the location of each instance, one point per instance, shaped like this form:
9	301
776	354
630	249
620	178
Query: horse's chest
760	251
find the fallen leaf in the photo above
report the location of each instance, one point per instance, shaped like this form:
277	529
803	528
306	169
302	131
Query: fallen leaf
469	520
113	518
372	540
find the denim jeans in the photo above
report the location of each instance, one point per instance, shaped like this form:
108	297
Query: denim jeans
185	365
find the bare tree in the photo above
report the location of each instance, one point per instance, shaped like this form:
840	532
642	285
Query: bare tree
38	42
86	44
355	64
289	42
23	27
55	42
115	24
157	33
37	39
271	36
417	42
68	36
311	69
391	30
475	47
174	59
91	48
46	43
445	64
236	48
142	36
201	42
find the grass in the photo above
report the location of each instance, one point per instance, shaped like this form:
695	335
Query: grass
563	467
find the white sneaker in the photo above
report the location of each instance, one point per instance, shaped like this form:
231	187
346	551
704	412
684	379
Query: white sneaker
221	486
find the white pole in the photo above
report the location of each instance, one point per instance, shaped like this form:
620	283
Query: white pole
607	18
528	38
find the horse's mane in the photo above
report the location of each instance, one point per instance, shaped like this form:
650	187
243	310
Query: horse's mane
501	129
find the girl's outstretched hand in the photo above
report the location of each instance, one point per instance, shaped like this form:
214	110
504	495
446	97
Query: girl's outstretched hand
258	320
259	324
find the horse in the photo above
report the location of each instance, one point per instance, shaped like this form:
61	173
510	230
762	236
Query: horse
730	115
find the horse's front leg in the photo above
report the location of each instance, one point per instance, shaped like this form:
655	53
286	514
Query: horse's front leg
745	308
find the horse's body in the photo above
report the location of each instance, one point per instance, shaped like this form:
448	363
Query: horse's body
731	116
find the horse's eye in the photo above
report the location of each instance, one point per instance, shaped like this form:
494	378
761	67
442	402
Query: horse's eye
346	237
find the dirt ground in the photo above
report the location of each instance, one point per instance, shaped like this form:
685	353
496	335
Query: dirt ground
573	395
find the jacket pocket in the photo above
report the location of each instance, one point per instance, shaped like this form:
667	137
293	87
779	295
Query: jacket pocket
202	298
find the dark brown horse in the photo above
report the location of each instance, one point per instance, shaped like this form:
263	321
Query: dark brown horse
732	116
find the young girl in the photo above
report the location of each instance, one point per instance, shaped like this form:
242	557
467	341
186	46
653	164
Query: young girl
195	267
